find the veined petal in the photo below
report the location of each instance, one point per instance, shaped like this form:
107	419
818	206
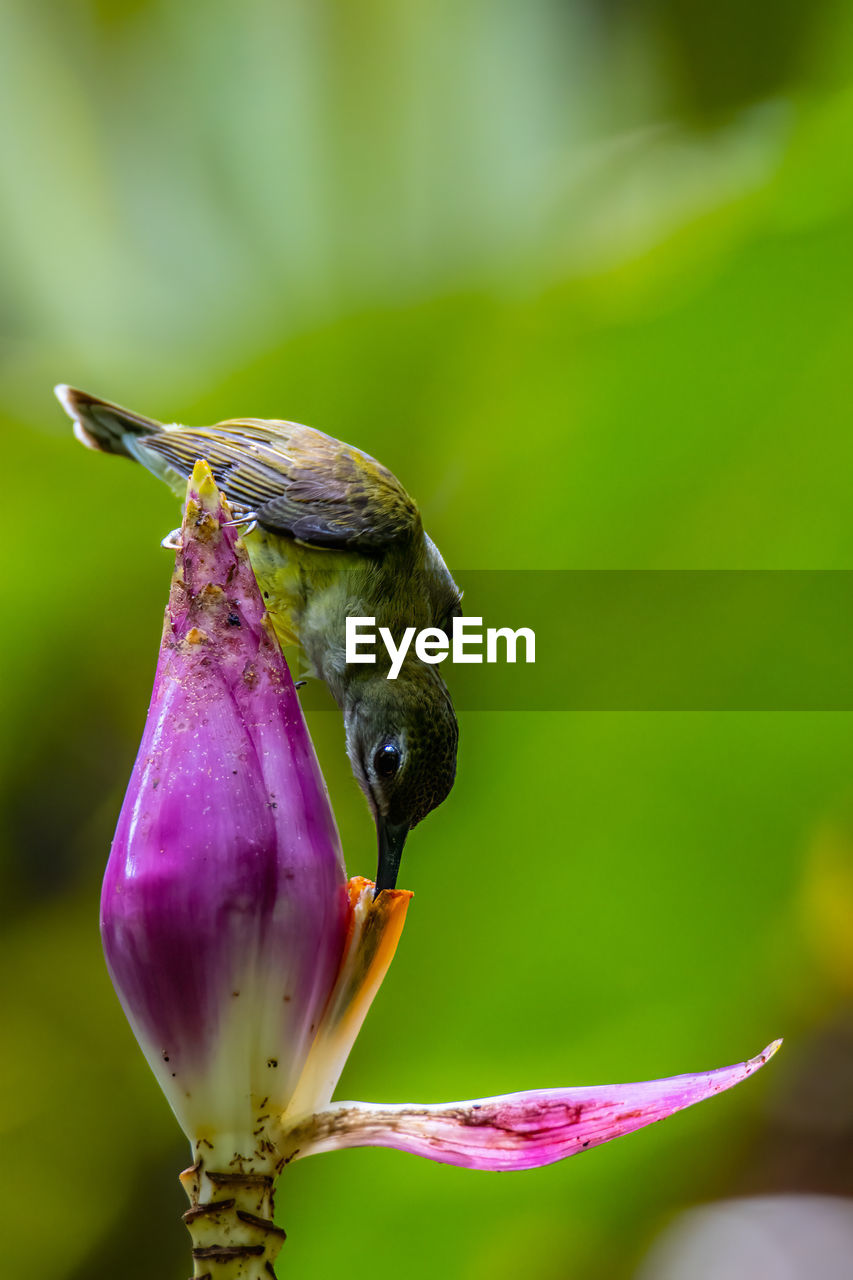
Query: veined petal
517	1130
376	923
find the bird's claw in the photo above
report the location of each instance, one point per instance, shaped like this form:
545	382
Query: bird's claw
172	541
248	518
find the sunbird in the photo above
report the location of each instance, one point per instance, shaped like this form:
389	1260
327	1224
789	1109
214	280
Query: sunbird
331	534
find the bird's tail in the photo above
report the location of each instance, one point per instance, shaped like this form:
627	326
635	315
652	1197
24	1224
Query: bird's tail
101	425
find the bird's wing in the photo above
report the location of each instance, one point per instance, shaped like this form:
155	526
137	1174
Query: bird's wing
295	480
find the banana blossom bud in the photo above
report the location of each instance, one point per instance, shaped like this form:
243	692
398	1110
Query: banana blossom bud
245	962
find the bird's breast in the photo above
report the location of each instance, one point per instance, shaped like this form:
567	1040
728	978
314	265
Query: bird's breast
310	592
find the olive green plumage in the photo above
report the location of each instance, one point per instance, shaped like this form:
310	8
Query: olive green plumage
335	535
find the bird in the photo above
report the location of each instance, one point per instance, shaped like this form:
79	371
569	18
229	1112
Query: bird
331	533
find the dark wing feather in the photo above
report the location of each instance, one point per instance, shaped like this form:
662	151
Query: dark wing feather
296	481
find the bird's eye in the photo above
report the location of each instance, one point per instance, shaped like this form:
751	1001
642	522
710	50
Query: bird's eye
386	761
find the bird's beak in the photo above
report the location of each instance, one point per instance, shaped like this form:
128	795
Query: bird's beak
392	837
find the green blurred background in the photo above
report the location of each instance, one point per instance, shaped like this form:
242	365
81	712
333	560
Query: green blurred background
581	274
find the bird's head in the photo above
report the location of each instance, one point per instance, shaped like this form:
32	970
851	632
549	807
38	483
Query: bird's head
401	741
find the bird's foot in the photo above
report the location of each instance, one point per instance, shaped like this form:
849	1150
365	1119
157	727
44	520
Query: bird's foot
247	518
172	541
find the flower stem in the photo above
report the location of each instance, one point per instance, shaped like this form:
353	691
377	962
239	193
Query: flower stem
230	1220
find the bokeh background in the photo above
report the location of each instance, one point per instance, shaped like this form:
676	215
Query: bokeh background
580	272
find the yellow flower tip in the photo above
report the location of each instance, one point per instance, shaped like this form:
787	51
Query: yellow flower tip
202	477
206	508
203	494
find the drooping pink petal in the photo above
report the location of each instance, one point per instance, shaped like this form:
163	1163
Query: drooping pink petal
517	1130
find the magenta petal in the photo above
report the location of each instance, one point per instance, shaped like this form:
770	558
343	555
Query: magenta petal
517	1130
224	908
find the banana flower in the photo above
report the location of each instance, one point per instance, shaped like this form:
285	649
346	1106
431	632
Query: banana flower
245	961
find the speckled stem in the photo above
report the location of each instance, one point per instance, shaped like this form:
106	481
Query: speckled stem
230	1220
